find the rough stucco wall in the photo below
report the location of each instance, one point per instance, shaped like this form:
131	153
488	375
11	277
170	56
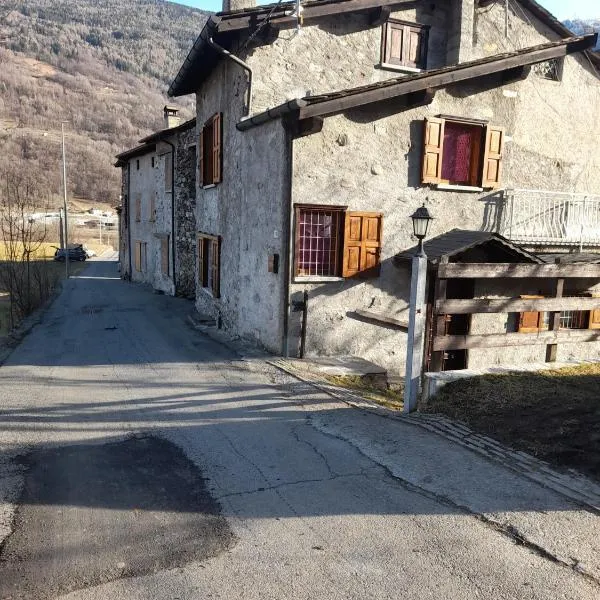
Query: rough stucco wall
379	170
247	210
142	183
185	217
338	53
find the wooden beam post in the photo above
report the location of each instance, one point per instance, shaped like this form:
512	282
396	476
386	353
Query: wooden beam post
439	320
554	322
416	333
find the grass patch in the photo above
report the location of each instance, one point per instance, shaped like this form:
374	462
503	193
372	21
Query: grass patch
388	397
553	415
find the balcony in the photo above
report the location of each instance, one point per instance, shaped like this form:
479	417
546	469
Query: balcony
542	218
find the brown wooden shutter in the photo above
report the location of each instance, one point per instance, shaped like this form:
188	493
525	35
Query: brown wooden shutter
164	256
138	256
594	322
492	158
216	267
531	322
362	244
201	157
433	147
415	47
201	263
217	131
394	44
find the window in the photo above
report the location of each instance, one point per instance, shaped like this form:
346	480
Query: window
530	322
153	162
404	44
152	215
332	242
462	153
209	263
137	164
168	172
164	254
210	167
549	69
140	256
138	208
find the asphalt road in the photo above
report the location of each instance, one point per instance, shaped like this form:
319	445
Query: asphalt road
142	460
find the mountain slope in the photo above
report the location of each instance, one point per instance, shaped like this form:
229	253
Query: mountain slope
582	26
101	65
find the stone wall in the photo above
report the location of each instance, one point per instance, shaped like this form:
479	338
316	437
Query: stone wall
369	160
185	217
247	210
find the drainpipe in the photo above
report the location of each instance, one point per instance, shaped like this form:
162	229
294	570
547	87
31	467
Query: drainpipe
129	217
288	226
242	64
172	214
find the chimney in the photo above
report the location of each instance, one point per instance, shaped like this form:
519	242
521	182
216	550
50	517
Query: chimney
171	118
229	5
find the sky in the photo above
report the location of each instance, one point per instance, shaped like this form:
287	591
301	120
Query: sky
563	9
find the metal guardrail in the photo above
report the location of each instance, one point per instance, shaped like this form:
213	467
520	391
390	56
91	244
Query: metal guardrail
551	218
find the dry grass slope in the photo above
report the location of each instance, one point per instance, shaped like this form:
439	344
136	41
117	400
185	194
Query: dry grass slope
102	65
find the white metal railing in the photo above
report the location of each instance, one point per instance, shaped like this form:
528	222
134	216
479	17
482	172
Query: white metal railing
551	218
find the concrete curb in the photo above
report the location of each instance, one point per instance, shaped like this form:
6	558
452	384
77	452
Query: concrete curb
571	485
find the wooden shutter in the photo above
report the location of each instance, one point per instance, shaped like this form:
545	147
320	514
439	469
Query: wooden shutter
531	322
362	244
594	322
138	208
433	147
217	132
201	262
201	157
394	44
164	256
216	267
138	256
415	47
492	158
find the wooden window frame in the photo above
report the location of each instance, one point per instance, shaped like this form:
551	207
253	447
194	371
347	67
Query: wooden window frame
486	154
209	273
590	317
165	254
357	244
210	152
406	27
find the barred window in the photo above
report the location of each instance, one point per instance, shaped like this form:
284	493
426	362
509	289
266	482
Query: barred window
333	242
549	69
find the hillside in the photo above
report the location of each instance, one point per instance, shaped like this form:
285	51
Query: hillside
103	66
581	26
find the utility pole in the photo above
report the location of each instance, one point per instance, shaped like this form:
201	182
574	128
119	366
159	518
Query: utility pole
66	220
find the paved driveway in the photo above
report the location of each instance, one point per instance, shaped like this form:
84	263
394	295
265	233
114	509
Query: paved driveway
320	500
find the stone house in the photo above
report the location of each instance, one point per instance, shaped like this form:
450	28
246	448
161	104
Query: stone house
158	235
323	126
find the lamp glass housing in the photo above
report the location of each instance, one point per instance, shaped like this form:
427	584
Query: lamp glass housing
421	219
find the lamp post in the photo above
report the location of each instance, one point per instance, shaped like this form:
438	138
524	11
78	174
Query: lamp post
66	221
416	316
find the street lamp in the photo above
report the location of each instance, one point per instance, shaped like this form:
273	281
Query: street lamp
416	315
420	219
66	221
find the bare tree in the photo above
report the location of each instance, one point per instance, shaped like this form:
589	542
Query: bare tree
22	236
